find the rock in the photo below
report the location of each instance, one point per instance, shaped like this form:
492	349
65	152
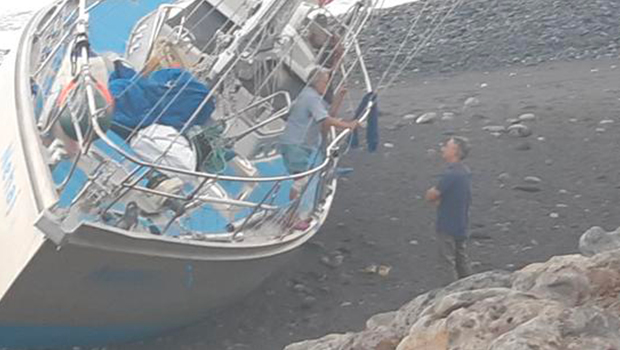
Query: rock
494	128
600	130
606	121
426	118
447	116
596	240
527	188
512	121
471	102
409	117
384	270
532	180
526	117
371	269
519	130
503	177
333	261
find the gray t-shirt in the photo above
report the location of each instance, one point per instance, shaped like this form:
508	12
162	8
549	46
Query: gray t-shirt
304	121
453	212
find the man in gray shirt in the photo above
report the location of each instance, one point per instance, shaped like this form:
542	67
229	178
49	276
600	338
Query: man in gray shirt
452	195
308	120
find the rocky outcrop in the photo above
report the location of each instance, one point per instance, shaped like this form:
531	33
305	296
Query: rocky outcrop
567	303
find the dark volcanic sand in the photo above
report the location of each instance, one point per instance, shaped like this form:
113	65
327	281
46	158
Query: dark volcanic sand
379	217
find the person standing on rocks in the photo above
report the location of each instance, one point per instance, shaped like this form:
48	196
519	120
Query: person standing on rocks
452	195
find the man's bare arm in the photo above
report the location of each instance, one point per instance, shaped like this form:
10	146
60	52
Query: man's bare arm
433	195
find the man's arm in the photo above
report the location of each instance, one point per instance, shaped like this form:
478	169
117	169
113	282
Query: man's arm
337	102
433	195
336	122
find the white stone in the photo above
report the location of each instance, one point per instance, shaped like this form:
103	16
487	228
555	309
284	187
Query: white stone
472	102
526	117
494	128
532	179
426	118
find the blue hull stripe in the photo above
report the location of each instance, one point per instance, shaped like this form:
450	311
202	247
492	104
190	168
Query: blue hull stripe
46	337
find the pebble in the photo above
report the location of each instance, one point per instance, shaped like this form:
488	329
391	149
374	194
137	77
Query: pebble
426	118
527	188
494	128
512	121
384	270
388	145
413	242
472	102
519	130
527	117
554	215
503	177
447	116
600	130
606	121
370	269
409	116
532	180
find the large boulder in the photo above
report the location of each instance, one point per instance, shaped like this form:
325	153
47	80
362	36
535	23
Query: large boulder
596	240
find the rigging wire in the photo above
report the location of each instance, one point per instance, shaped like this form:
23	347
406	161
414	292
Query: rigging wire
414	51
403	43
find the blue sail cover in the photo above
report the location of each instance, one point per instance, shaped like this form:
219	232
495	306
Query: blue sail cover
167	96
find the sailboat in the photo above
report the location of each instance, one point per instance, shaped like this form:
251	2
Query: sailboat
142	183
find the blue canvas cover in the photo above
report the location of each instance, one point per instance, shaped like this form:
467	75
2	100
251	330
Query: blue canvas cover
167	96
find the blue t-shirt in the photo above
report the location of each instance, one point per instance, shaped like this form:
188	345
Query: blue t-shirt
304	121
453	211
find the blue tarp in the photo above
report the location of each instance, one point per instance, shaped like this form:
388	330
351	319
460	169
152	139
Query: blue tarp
167	96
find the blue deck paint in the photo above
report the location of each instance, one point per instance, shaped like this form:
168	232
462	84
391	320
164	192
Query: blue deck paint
46	337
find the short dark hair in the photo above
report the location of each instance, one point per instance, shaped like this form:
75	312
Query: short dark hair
464	146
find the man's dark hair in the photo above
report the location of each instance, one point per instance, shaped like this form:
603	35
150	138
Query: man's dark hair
464	146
